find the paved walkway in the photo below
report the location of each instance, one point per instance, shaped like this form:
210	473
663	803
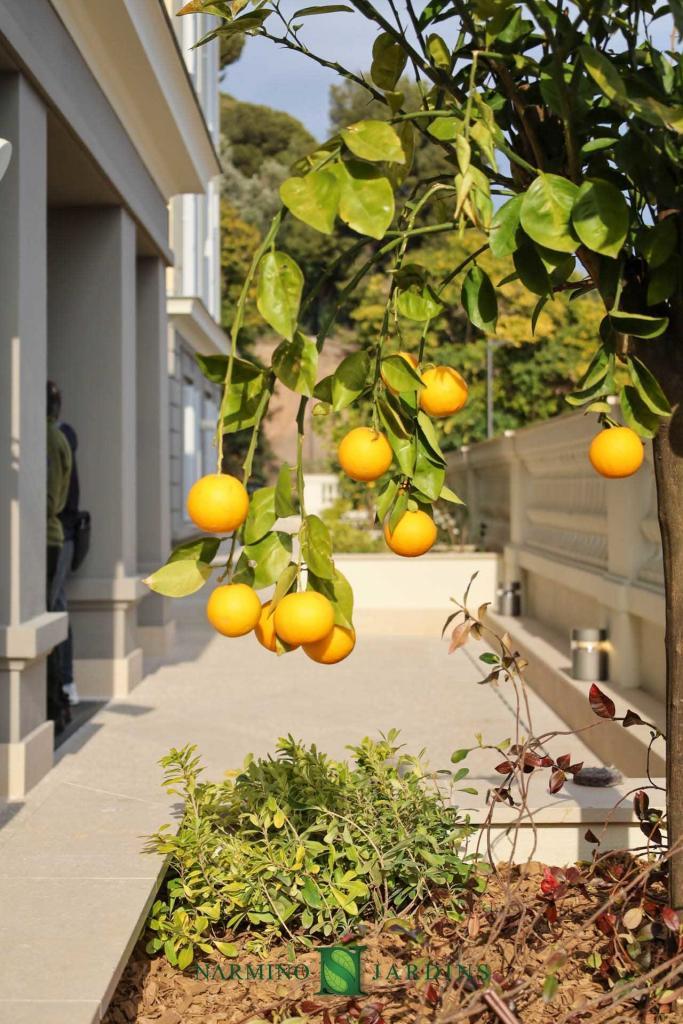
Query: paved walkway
74	887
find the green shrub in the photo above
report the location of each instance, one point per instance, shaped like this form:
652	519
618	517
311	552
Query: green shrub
298	846
346	536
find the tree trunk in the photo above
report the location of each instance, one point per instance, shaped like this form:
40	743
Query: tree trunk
665	359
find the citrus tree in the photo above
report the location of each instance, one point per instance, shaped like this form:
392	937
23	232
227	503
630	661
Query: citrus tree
560	128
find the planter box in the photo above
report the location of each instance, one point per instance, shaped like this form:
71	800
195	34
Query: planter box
412	595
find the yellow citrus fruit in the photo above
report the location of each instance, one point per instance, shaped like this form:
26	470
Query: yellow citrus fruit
218	503
233	609
334	647
414	533
616	452
364	454
410	359
303	618
444	391
265	627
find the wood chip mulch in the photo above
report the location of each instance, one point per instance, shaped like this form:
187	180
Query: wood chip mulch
516	948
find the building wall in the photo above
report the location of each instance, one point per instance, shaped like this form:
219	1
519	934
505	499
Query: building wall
586	550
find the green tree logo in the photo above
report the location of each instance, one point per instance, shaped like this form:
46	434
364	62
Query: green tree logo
340	970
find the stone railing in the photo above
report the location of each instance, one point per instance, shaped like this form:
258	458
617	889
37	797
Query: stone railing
586	550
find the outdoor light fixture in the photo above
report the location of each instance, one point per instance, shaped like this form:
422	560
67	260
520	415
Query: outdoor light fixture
589	655
510	599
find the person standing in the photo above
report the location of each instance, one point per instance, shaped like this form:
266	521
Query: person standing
69	517
59	463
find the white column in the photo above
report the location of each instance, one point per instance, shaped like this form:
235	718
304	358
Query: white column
92	329
156	627
27	631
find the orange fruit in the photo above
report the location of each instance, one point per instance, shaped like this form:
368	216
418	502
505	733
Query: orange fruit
414	533
444	391
233	609
303	617
218	503
364	454
410	359
265	628
334	647
616	452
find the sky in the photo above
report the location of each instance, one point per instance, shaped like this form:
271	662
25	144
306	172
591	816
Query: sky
288	81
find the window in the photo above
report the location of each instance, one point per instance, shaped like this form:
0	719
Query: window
191	433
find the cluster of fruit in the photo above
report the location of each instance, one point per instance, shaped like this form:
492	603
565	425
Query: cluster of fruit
219	503
365	454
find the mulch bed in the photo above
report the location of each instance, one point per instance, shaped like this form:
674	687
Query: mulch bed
540	927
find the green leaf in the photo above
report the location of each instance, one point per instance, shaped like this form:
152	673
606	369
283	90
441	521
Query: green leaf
367	199
428	477
638	324
648	388
597	369
459	755
313	199
448	495
445	129
215	368
531	270
385	500
388	61
502	241
304	12
402	447
311	894
280	284
226	948
286	582
179	578
479	299
400	375
418	301
439	52
399	509
270	556
663	281
284	504
350	380
636	414
603	73
338	591
600	217
185	957
658	243
546	212
244	395
550	987
429	437
261	516
202	549
374	140
295	363
316	547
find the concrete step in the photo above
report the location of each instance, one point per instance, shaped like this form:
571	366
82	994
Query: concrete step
548	675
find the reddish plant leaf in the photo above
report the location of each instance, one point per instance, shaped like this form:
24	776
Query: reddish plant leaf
591	837
505	767
549	883
641	803
563	761
601	704
460	635
547	762
573	875
308	1006
557	781
574	768
432	994
532	760
631	718
605	923
551	914
671	919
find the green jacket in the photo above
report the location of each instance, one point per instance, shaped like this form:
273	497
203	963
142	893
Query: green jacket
59	462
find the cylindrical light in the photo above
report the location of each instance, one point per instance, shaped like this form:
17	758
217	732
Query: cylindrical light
510	599
589	655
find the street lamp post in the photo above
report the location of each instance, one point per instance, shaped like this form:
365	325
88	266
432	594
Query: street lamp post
491	345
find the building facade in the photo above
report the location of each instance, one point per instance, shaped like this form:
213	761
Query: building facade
109	284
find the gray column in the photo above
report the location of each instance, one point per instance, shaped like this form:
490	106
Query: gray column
156	628
27	631
91	354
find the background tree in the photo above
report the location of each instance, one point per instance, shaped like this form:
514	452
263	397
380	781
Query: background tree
562	128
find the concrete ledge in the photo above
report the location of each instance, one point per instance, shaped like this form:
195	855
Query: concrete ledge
24	763
547	675
554	831
90	590
34	637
